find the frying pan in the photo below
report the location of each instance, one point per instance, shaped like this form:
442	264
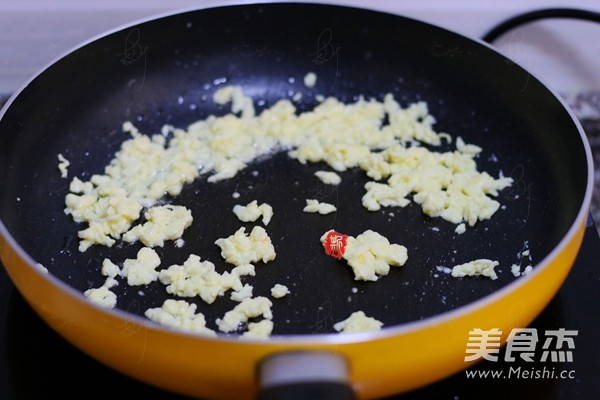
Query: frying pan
164	71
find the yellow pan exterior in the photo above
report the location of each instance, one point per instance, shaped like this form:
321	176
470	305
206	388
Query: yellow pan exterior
395	360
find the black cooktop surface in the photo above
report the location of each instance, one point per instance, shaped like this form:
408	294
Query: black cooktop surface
36	363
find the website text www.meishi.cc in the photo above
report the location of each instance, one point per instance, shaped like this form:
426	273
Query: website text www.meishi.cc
521	372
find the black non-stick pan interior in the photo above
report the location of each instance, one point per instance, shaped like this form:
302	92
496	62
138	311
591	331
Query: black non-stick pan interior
165	71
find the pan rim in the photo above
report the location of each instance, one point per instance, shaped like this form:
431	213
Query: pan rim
318	338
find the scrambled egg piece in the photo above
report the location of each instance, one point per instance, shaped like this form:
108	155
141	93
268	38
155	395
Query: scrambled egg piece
141	270
179	314
445	185
328	177
525	259
252	211
239	102
248	308
163	223
110	269
244	293
41	268
199	278
315	206
108	212
370	134
370	255
482	267
515	269
144	170
102	296
63	166
240	249
358	322
382	195
278	291
464	148
141	173
310	79
259	330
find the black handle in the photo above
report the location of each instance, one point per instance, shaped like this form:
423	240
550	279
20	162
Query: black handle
527	17
308	391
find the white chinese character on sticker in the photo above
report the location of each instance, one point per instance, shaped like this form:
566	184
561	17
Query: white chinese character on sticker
563	337
483	344
522	341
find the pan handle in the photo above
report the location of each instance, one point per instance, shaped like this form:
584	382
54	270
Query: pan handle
304	375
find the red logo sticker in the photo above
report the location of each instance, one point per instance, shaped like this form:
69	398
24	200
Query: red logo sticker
335	244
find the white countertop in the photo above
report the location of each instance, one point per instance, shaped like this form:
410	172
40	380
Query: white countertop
565	54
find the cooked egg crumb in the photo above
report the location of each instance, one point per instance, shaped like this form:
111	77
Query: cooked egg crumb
163	223
240	314
278	291
142	171
370	255
443	269
199	278
110	269
240	103
102	296
181	315
240	248
108	212
253	211
259	330
41	268
310	79
464	148
516	270
63	166
244	293
315	206
358	322
141	270
482	267
328	177
446	185
460	228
